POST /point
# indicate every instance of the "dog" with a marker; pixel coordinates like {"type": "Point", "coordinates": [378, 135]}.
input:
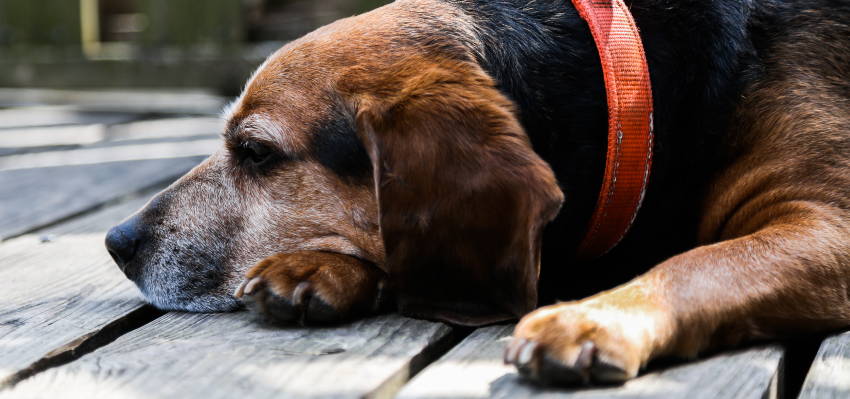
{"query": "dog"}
{"type": "Point", "coordinates": [443, 158]}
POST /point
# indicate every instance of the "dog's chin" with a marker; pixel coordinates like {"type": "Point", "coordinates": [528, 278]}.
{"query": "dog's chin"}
{"type": "Point", "coordinates": [208, 303]}
{"type": "Point", "coordinates": [169, 290]}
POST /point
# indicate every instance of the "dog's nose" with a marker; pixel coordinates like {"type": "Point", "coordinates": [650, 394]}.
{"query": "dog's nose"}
{"type": "Point", "coordinates": [123, 240]}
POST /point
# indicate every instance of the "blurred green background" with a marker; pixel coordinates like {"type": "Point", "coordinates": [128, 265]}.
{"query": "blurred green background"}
{"type": "Point", "coordinates": [208, 44]}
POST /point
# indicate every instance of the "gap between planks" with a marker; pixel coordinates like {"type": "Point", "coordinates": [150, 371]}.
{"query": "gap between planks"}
{"type": "Point", "coordinates": [85, 344]}
{"type": "Point", "coordinates": [225, 355]}
{"type": "Point", "coordinates": [145, 314]}
{"type": "Point", "coordinates": [474, 369]}
{"type": "Point", "coordinates": [430, 354]}
{"type": "Point", "coordinates": [88, 342]}
{"type": "Point", "coordinates": [141, 192]}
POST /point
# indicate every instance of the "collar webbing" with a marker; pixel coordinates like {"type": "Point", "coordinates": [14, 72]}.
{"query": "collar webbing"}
{"type": "Point", "coordinates": [630, 130]}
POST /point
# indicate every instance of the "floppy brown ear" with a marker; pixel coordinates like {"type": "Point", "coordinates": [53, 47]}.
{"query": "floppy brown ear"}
{"type": "Point", "coordinates": [462, 196]}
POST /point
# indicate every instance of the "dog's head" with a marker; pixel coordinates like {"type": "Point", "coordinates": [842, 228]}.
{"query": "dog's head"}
{"type": "Point", "coordinates": [379, 137]}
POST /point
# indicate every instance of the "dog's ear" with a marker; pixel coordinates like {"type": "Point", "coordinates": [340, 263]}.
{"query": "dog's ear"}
{"type": "Point", "coordinates": [462, 196]}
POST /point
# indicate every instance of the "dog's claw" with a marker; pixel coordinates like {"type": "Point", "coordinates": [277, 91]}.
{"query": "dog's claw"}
{"type": "Point", "coordinates": [302, 307]}
{"type": "Point", "coordinates": [522, 353]}
{"type": "Point", "coordinates": [302, 287]}
{"type": "Point", "coordinates": [252, 285]}
{"type": "Point", "coordinates": [512, 349]}
{"type": "Point", "coordinates": [607, 372]}
{"type": "Point", "coordinates": [301, 295]}
{"type": "Point", "coordinates": [535, 363]}
{"type": "Point", "coordinates": [585, 358]}
{"type": "Point", "coordinates": [526, 353]}
{"type": "Point", "coordinates": [246, 287]}
{"type": "Point", "coordinates": [240, 290]}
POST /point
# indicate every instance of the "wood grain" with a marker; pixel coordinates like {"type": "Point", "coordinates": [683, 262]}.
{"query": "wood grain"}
{"type": "Point", "coordinates": [30, 138]}
{"type": "Point", "coordinates": [58, 289]}
{"type": "Point", "coordinates": [209, 356]}
{"type": "Point", "coordinates": [36, 197]}
{"type": "Point", "coordinates": [474, 369]}
{"type": "Point", "coordinates": [43, 187]}
{"type": "Point", "coordinates": [182, 127]}
{"type": "Point", "coordinates": [829, 376]}
{"type": "Point", "coordinates": [56, 116]}
{"type": "Point", "coordinates": [42, 139]}
{"type": "Point", "coordinates": [113, 152]}
{"type": "Point", "coordinates": [135, 101]}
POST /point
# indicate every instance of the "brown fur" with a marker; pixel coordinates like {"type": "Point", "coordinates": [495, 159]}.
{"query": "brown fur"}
{"type": "Point", "coordinates": [776, 229]}
{"type": "Point", "coordinates": [448, 114]}
{"type": "Point", "coordinates": [453, 214]}
{"type": "Point", "coordinates": [483, 155]}
{"type": "Point", "coordinates": [319, 286]}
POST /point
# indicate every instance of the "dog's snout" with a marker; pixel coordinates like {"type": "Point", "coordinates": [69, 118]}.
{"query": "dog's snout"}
{"type": "Point", "coordinates": [122, 242]}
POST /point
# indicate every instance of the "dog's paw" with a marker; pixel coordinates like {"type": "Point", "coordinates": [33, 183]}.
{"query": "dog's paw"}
{"type": "Point", "coordinates": [581, 343]}
{"type": "Point", "coordinates": [311, 287]}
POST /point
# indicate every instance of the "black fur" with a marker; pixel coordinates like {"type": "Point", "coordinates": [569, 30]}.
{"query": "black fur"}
{"type": "Point", "coordinates": [335, 145]}
{"type": "Point", "coordinates": [701, 54]}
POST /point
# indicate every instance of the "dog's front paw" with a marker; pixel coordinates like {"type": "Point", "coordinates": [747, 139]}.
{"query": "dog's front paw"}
{"type": "Point", "coordinates": [584, 342]}
{"type": "Point", "coordinates": [311, 287]}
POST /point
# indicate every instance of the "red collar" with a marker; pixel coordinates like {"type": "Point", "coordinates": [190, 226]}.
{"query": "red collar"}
{"type": "Point", "coordinates": [629, 123]}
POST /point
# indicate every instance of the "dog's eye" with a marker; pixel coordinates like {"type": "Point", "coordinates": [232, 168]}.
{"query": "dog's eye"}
{"type": "Point", "coordinates": [256, 153]}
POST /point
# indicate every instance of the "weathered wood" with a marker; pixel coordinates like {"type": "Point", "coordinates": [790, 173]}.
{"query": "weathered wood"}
{"type": "Point", "coordinates": [141, 101]}
{"type": "Point", "coordinates": [58, 115]}
{"type": "Point", "coordinates": [37, 197]}
{"type": "Point", "coordinates": [829, 376]}
{"type": "Point", "coordinates": [474, 369]}
{"type": "Point", "coordinates": [186, 127]}
{"type": "Point", "coordinates": [226, 72]}
{"type": "Point", "coordinates": [59, 285]}
{"type": "Point", "coordinates": [52, 138]}
{"type": "Point", "coordinates": [41, 188]}
{"type": "Point", "coordinates": [112, 152]}
{"type": "Point", "coordinates": [23, 140]}
{"type": "Point", "coordinates": [209, 356]}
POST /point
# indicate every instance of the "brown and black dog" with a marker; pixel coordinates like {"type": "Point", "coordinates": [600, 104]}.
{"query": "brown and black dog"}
{"type": "Point", "coordinates": [414, 155]}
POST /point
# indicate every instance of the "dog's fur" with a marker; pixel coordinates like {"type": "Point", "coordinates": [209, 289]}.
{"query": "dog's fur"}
{"type": "Point", "coordinates": [416, 153]}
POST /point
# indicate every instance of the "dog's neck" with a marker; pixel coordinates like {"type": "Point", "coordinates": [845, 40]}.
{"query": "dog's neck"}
{"type": "Point", "coordinates": [543, 57]}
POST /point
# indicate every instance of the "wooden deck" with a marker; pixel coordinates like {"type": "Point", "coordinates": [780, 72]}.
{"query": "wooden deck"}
{"type": "Point", "coordinates": [71, 326]}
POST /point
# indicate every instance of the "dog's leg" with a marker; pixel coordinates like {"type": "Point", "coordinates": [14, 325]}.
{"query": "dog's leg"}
{"type": "Point", "coordinates": [790, 275]}
{"type": "Point", "coordinates": [778, 224]}
{"type": "Point", "coordinates": [312, 287]}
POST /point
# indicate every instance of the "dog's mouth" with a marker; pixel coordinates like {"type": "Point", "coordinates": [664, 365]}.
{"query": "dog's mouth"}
{"type": "Point", "coordinates": [172, 278]}
{"type": "Point", "coordinates": [199, 270]}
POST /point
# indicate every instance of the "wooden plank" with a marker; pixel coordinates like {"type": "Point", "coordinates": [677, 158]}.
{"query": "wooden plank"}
{"type": "Point", "coordinates": [52, 138]}
{"type": "Point", "coordinates": [474, 369]}
{"type": "Point", "coordinates": [39, 196]}
{"type": "Point", "coordinates": [185, 127]}
{"type": "Point", "coordinates": [169, 101]}
{"type": "Point", "coordinates": [43, 187]}
{"type": "Point", "coordinates": [226, 72]}
{"type": "Point", "coordinates": [829, 376]}
{"type": "Point", "coordinates": [59, 285]}
{"type": "Point", "coordinates": [32, 138]}
{"type": "Point", "coordinates": [119, 152]}
{"type": "Point", "coordinates": [210, 356]}
{"type": "Point", "coordinates": [57, 115]}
